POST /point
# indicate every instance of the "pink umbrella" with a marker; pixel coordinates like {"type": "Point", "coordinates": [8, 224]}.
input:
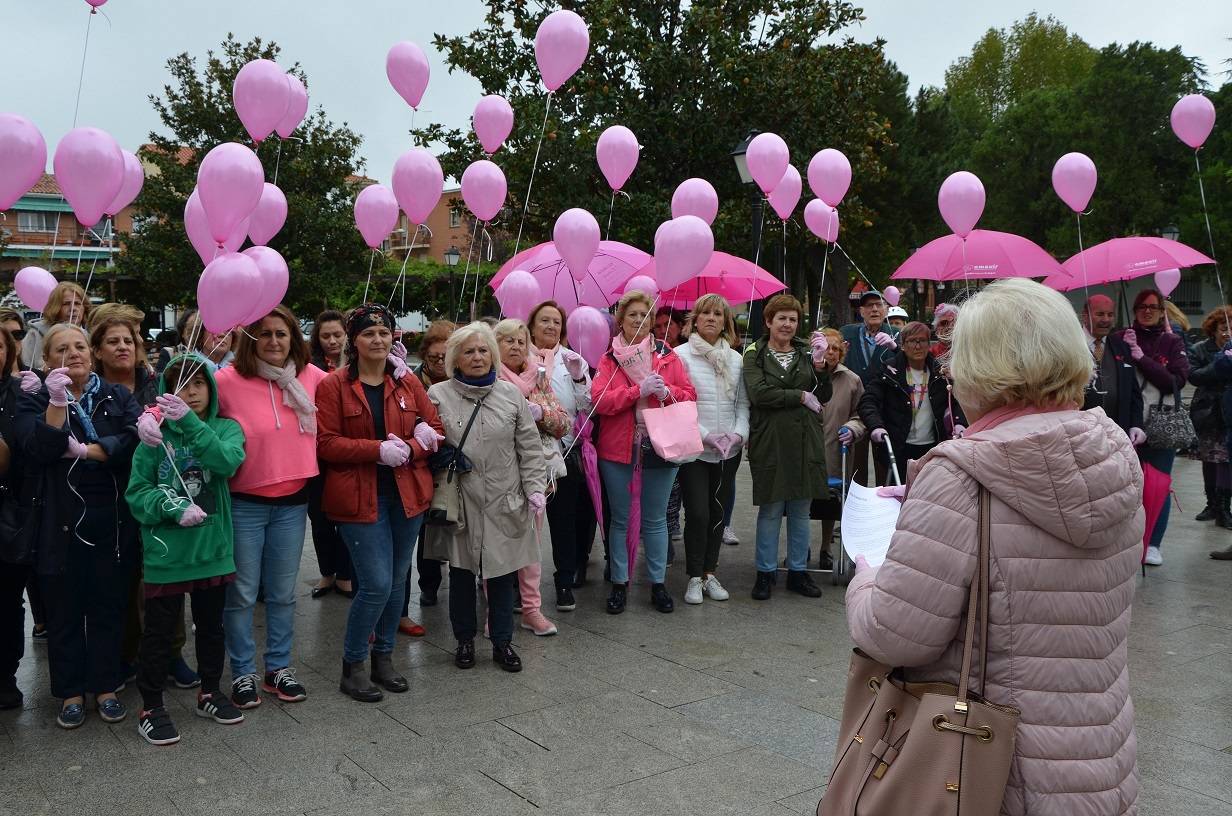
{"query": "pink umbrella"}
{"type": "Point", "coordinates": [736, 279]}
{"type": "Point", "coordinates": [606, 276]}
{"type": "Point", "coordinates": [1122, 259]}
{"type": "Point", "coordinates": [988, 254]}
{"type": "Point", "coordinates": [1156, 492]}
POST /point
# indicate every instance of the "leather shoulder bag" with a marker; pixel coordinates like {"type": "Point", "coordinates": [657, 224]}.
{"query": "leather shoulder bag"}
{"type": "Point", "coordinates": [446, 509]}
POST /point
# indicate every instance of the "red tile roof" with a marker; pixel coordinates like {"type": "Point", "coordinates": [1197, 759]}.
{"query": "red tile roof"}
{"type": "Point", "coordinates": [47, 186]}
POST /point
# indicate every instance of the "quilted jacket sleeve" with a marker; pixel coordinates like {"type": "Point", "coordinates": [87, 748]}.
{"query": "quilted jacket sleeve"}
{"type": "Point", "coordinates": [907, 612]}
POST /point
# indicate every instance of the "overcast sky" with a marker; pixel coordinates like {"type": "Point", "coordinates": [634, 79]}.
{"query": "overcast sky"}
{"type": "Point", "coordinates": [342, 47]}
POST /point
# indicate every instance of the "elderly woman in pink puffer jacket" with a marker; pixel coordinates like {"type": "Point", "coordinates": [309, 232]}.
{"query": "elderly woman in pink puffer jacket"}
{"type": "Point", "coordinates": [1067, 528]}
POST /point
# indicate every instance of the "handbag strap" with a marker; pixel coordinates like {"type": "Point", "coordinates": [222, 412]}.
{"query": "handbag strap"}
{"type": "Point", "coordinates": [977, 604]}
{"type": "Point", "coordinates": [465, 433]}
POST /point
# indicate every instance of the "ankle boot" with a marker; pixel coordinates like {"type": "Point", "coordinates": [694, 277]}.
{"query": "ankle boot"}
{"type": "Point", "coordinates": [355, 683]}
{"type": "Point", "coordinates": [1223, 509]}
{"type": "Point", "coordinates": [1211, 511]}
{"type": "Point", "coordinates": [383, 674]}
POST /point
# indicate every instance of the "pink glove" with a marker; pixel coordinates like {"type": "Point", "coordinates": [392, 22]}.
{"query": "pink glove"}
{"type": "Point", "coordinates": [192, 516]}
{"type": "Point", "coordinates": [427, 438]}
{"type": "Point", "coordinates": [1131, 339]}
{"type": "Point", "coordinates": [1136, 437]}
{"type": "Point", "coordinates": [537, 502]}
{"type": "Point", "coordinates": [810, 401]}
{"type": "Point", "coordinates": [896, 492]}
{"type": "Point", "coordinates": [30, 382]}
{"type": "Point", "coordinates": [959, 430]}
{"type": "Point", "coordinates": [394, 452]}
{"type": "Point", "coordinates": [536, 411]}
{"type": "Point", "coordinates": [879, 435]}
{"type": "Point", "coordinates": [57, 387]}
{"type": "Point", "coordinates": [172, 407]}
{"type": "Point", "coordinates": [574, 364]}
{"type": "Point", "coordinates": [861, 564]}
{"type": "Point", "coordinates": [819, 344]}
{"type": "Point", "coordinates": [147, 428]}
{"type": "Point", "coordinates": [75, 450]}
{"type": "Point", "coordinates": [845, 435]}
{"type": "Point", "coordinates": [731, 441]}
{"type": "Point", "coordinates": [398, 350]}
{"type": "Point", "coordinates": [400, 368]}
{"type": "Point", "coordinates": [885, 341]}
{"type": "Point", "coordinates": [714, 440]}
{"type": "Point", "coordinates": [654, 385]}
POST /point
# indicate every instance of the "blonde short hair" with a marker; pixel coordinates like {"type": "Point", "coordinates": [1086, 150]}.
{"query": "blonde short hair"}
{"type": "Point", "coordinates": [510, 326]}
{"type": "Point", "coordinates": [1019, 342]}
{"type": "Point", "coordinates": [627, 300]}
{"type": "Point", "coordinates": [60, 328]}
{"type": "Point", "coordinates": [713, 301]}
{"type": "Point", "coordinates": [464, 335]}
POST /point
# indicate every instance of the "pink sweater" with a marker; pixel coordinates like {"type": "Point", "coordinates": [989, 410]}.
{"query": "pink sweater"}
{"type": "Point", "coordinates": [279, 458]}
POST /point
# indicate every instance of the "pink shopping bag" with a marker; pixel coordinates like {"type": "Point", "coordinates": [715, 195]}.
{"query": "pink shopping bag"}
{"type": "Point", "coordinates": [673, 430]}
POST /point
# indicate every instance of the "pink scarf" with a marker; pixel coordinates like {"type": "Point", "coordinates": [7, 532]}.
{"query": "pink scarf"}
{"type": "Point", "coordinates": [637, 360]}
{"type": "Point", "coordinates": [528, 380]}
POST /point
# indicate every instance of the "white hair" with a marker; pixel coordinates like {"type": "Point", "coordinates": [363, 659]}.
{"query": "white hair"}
{"type": "Point", "coordinates": [1018, 342]}
{"type": "Point", "coordinates": [464, 335]}
{"type": "Point", "coordinates": [509, 327]}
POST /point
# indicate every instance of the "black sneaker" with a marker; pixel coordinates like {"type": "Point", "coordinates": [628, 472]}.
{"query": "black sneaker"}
{"type": "Point", "coordinates": [464, 656]}
{"type": "Point", "coordinates": [244, 691]}
{"type": "Point", "coordinates": [761, 587]}
{"type": "Point", "coordinates": [616, 600]}
{"type": "Point", "coordinates": [427, 598]}
{"type": "Point", "coordinates": [802, 583]}
{"type": "Point", "coordinates": [156, 728]}
{"type": "Point", "coordinates": [217, 707]}
{"type": "Point", "coordinates": [579, 577]}
{"type": "Point", "coordinates": [517, 601]}
{"type": "Point", "coordinates": [39, 634]}
{"type": "Point", "coordinates": [661, 599]}
{"type": "Point", "coordinates": [284, 684]}
{"type": "Point", "coordinates": [564, 599]}
{"type": "Point", "coordinates": [504, 656]}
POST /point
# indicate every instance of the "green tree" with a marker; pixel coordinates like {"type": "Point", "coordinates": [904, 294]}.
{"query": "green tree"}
{"type": "Point", "coordinates": [315, 170]}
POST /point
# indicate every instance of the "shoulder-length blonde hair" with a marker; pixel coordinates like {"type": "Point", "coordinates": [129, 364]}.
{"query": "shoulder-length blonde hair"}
{"type": "Point", "coordinates": [464, 335]}
{"type": "Point", "coordinates": [246, 349]}
{"type": "Point", "coordinates": [51, 312]}
{"type": "Point", "coordinates": [719, 302]}
{"type": "Point", "coordinates": [1018, 343]}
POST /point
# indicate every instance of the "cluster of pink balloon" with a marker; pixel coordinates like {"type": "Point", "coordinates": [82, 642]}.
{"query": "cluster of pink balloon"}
{"type": "Point", "coordinates": [268, 100]}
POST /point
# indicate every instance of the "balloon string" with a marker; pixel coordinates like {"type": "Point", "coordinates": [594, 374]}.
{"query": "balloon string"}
{"type": "Point", "coordinates": [55, 237]}
{"type": "Point", "coordinates": [966, 277]}
{"type": "Point", "coordinates": [402, 272]}
{"type": "Point", "coordinates": [826, 249]}
{"type": "Point", "coordinates": [611, 210]}
{"type": "Point", "coordinates": [371, 260]}
{"type": "Point", "coordinates": [80, 249]}
{"type": "Point", "coordinates": [1082, 257]}
{"type": "Point", "coordinates": [457, 310]}
{"type": "Point", "coordinates": [187, 372]}
{"type": "Point", "coordinates": [761, 227]}
{"type": "Point", "coordinates": [534, 165]}
{"type": "Point", "coordinates": [858, 270]}
{"type": "Point", "coordinates": [478, 263]}
{"type": "Point", "coordinates": [81, 77]}
{"type": "Point", "coordinates": [277, 162]}
{"type": "Point", "coordinates": [1210, 237]}
{"type": "Point", "coordinates": [94, 263]}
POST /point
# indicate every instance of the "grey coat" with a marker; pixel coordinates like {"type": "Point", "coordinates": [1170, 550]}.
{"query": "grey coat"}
{"type": "Point", "coordinates": [507, 457]}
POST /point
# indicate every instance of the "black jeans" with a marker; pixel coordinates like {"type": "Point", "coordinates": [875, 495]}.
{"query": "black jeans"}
{"type": "Point", "coordinates": [161, 615]}
{"type": "Point", "coordinates": [13, 579]}
{"type": "Point", "coordinates": [705, 489]}
{"type": "Point", "coordinates": [571, 519]}
{"type": "Point", "coordinates": [34, 592]}
{"type": "Point", "coordinates": [462, 614]}
{"type": "Point", "coordinates": [332, 555]}
{"type": "Point", "coordinates": [429, 574]}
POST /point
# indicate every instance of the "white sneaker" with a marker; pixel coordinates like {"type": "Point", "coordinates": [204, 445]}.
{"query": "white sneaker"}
{"type": "Point", "coordinates": [714, 589]}
{"type": "Point", "coordinates": [1153, 557]}
{"type": "Point", "coordinates": [729, 536]}
{"type": "Point", "coordinates": [693, 594]}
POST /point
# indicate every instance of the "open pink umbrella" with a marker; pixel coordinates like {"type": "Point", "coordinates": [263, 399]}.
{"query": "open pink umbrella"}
{"type": "Point", "coordinates": [606, 276]}
{"type": "Point", "coordinates": [988, 254]}
{"type": "Point", "coordinates": [1122, 259]}
{"type": "Point", "coordinates": [736, 279]}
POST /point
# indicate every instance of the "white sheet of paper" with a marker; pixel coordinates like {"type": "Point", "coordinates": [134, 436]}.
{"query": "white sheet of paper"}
{"type": "Point", "coordinates": [868, 523]}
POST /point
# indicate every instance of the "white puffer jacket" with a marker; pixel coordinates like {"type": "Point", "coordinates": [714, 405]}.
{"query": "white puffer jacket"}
{"type": "Point", "coordinates": [716, 412]}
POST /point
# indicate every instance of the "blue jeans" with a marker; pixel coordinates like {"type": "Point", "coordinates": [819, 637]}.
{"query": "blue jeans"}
{"type": "Point", "coordinates": [656, 487]}
{"type": "Point", "coordinates": [381, 555]}
{"type": "Point", "coordinates": [770, 521]}
{"type": "Point", "coordinates": [1161, 460]}
{"type": "Point", "coordinates": [269, 540]}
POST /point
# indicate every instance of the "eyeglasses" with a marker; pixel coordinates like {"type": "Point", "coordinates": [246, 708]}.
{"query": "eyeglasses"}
{"type": "Point", "coordinates": [434, 358]}
{"type": "Point", "coordinates": [916, 342]}
{"type": "Point", "coordinates": [1149, 309]}
{"type": "Point", "coordinates": [19, 334]}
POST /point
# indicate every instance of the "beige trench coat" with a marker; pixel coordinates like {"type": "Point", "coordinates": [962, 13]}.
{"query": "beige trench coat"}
{"type": "Point", "coordinates": [507, 457]}
{"type": "Point", "coordinates": [840, 411]}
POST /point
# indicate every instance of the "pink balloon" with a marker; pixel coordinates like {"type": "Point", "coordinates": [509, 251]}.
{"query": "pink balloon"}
{"type": "Point", "coordinates": [561, 44]}
{"type": "Point", "coordinates": [198, 230]}
{"type": "Point", "coordinates": [260, 95]}
{"type": "Point", "coordinates": [643, 283]}
{"type": "Point", "coordinates": [269, 215]}
{"type": "Point", "coordinates": [1074, 177]}
{"type": "Point", "coordinates": [34, 285]}
{"type": "Point", "coordinates": [493, 122]}
{"type": "Point", "coordinates": [518, 294]}
{"type": "Point", "coordinates": [230, 182]}
{"type": "Point", "coordinates": [1193, 117]}
{"type": "Point", "coordinates": [134, 178]}
{"type": "Point", "coordinates": [224, 292]}
{"type": "Point", "coordinates": [23, 158]}
{"type": "Point", "coordinates": [961, 201]}
{"type": "Point", "coordinates": [576, 234]}
{"type": "Point", "coordinates": [589, 333]}
{"type": "Point", "coordinates": [822, 220]}
{"type": "Point", "coordinates": [96, 3]}
{"type": "Point", "coordinates": [660, 232]}
{"type": "Point", "coordinates": [376, 214]}
{"type": "Point", "coordinates": [1167, 279]}
{"type": "Point", "coordinates": [418, 182]}
{"type": "Point", "coordinates": [829, 176]}
{"type": "Point", "coordinates": [767, 157]}
{"type": "Point", "coordinates": [408, 71]}
{"type": "Point", "coordinates": [484, 189]}
{"type": "Point", "coordinates": [891, 295]}
{"type": "Point", "coordinates": [683, 251]}
{"type": "Point", "coordinates": [297, 107]}
{"type": "Point", "coordinates": [274, 279]}
{"type": "Point", "coordinates": [617, 153]}
{"type": "Point", "coordinates": [89, 168]}
{"type": "Point", "coordinates": [697, 197]}
{"type": "Point", "coordinates": [786, 195]}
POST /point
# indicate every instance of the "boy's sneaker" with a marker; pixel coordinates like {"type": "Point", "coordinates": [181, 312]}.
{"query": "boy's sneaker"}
{"type": "Point", "coordinates": [216, 706]}
{"type": "Point", "coordinates": [729, 537]}
{"type": "Point", "coordinates": [244, 691]}
{"type": "Point", "coordinates": [183, 675]}
{"type": "Point", "coordinates": [156, 728]}
{"type": "Point", "coordinates": [284, 684]}
{"type": "Point", "coordinates": [714, 590]}
{"type": "Point", "coordinates": [693, 593]}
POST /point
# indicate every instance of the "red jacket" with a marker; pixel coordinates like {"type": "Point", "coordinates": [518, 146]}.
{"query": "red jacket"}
{"type": "Point", "coordinates": [615, 397]}
{"type": "Point", "coordinates": [350, 451]}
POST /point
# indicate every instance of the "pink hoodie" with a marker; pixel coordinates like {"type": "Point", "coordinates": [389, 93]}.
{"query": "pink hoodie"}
{"type": "Point", "coordinates": [1067, 528]}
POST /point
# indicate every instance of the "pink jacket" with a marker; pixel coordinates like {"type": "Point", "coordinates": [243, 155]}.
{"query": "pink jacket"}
{"type": "Point", "coordinates": [277, 453]}
{"type": "Point", "coordinates": [1067, 527]}
{"type": "Point", "coordinates": [615, 398]}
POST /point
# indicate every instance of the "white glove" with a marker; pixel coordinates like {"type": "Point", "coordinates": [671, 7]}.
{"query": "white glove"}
{"type": "Point", "coordinates": [147, 429]}
{"type": "Point", "coordinates": [1136, 437]}
{"type": "Point", "coordinates": [879, 435]}
{"type": "Point", "coordinates": [885, 341]}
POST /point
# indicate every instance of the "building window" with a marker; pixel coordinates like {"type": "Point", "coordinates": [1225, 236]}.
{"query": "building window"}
{"type": "Point", "coordinates": [36, 221]}
{"type": "Point", "coordinates": [1188, 295]}
{"type": "Point", "coordinates": [455, 217]}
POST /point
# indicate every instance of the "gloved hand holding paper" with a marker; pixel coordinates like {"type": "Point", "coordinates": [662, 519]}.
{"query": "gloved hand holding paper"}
{"type": "Point", "coordinates": [869, 521]}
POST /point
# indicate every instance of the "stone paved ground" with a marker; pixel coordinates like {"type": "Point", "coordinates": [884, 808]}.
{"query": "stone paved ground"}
{"type": "Point", "coordinates": [726, 708]}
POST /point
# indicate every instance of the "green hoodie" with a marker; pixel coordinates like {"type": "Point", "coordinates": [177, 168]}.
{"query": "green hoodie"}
{"type": "Point", "coordinates": [207, 453]}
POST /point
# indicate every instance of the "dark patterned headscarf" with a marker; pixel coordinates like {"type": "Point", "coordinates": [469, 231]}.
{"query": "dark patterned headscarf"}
{"type": "Point", "coordinates": [366, 316]}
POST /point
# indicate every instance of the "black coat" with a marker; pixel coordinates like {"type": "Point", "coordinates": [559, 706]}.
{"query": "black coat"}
{"type": "Point", "coordinates": [887, 404]}
{"type": "Point", "coordinates": [867, 368]}
{"type": "Point", "coordinates": [1206, 408]}
{"type": "Point", "coordinates": [63, 498]}
{"type": "Point", "coordinates": [1127, 412]}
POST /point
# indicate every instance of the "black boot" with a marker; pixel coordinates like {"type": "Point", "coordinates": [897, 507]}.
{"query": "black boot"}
{"type": "Point", "coordinates": [660, 598]}
{"type": "Point", "coordinates": [802, 583]}
{"type": "Point", "coordinates": [464, 655]}
{"type": "Point", "coordinates": [504, 656]}
{"type": "Point", "coordinates": [1211, 511]}
{"type": "Point", "coordinates": [355, 684]}
{"type": "Point", "coordinates": [761, 587]}
{"type": "Point", "coordinates": [383, 674]}
{"type": "Point", "coordinates": [616, 600]}
{"type": "Point", "coordinates": [1223, 510]}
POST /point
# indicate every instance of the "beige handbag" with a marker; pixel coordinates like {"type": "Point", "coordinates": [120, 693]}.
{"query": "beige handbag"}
{"type": "Point", "coordinates": [924, 748]}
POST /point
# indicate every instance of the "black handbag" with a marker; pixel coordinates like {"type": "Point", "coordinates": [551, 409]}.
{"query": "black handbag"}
{"type": "Point", "coordinates": [1169, 427]}
{"type": "Point", "coordinates": [19, 529]}
{"type": "Point", "coordinates": [447, 469]}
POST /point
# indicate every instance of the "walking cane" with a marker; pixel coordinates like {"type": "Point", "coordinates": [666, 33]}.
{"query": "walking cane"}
{"type": "Point", "coordinates": [839, 574]}
{"type": "Point", "coordinates": [893, 462]}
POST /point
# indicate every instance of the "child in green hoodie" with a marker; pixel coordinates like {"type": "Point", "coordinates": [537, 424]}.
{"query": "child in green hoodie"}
{"type": "Point", "coordinates": [178, 493]}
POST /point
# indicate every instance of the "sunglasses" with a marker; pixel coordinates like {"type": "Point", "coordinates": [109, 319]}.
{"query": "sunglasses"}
{"type": "Point", "coordinates": [18, 334]}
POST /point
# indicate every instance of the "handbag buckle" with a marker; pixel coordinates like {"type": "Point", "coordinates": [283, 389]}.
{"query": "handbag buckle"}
{"type": "Point", "coordinates": [960, 706]}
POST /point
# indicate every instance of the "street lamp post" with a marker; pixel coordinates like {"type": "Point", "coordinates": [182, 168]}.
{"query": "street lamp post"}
{"type": "Point", "coordinates": [452, 256]}
{"type": "Point", "coordinates": [742, 167]}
